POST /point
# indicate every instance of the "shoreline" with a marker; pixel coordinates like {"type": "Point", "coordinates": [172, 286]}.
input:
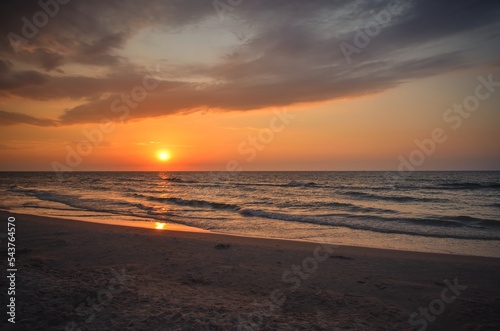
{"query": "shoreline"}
{"type": "Point", "coordinates": [172, 227]}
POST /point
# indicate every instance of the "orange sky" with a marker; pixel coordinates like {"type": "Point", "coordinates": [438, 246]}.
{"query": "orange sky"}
{"type": "Point", "coordinates": [213, 94]}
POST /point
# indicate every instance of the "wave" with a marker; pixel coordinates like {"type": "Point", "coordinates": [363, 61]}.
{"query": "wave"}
{"type": "Point", "coordinates": [256, 184]}
{"type": "Point", "coordinates": [469, 186]}
{"type": "Point", "coordinates": [370, 196]}
{"type": "Point", "coordinates": [30, 205]}
{"type": "Point", "coordinates": [337, 206]}
{"type": "Point", "coordinates": [359, 209]}
{"type": "Point", "coordinates": [451, 186]}
{"type": "Point", "coordinates": [233, 207]}
{"type": "Point", "coordinates": [99, 188]}
{"type": "Point", "coordinates": [173, 179]}
{"type": "Point", "coordinates": [471, 221]}
{"type": "Point", "coordinates": [194, 203]}
{"type": "Point", "coordinates": [109, 206]}
{"type": "Point", "coordinates": [295, 183]}
{"type": "Point", "coordinates": [435, 228]}
{"type": "Point", "coordinates": [177, 180]}
{"type": "Point", "coordinates": [128, 179]}
{"type": "Point", "coordinates": [292, 183]}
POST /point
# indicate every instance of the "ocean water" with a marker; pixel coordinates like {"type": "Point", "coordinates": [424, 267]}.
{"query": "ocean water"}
{"type": "Point", "coordinates": [448, 212]}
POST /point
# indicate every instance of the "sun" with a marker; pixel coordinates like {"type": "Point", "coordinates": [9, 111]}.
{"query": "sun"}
{"type": "Point", "coordinates": [163, 155]}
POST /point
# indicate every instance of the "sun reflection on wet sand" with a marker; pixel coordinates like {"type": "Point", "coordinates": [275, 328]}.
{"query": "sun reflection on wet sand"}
{"type": "Point", "coordinates": [160, 226]}
{"type": "Point", "coordinates": [134, 222]}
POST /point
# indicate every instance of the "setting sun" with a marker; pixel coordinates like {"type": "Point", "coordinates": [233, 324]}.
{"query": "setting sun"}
{"type": "Point", "coordinates": [163, 155]}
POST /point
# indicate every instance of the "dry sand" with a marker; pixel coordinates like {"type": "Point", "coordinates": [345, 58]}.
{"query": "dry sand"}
{"type": "Point", "coordinates": [75, 274]}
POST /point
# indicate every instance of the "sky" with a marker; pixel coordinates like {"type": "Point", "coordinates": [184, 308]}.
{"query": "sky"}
{"type": "Point", "coordinates": [249, 85]}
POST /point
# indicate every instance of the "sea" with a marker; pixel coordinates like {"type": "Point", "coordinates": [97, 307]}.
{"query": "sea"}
{"type": "Point", "coordinates": [440, 212]}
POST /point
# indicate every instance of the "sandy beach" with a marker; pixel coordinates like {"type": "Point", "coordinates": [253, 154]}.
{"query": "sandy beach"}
{"type": "Point", "coordinates": [74, 275]}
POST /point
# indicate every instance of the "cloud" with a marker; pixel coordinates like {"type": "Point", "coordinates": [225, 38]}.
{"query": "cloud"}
{"type": "Point", "coordinates": [103, 45]}
{"type": "Point", "coordinates": [10, 79]}
{"type": "Point", "coordinates": [92, 29]}
{"type": "Point", "coordinates": [8, 118]}
{"type": "Point", "coordinates": [77, 87]}
{"type": "Point", "coordinates": [291, 53]}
